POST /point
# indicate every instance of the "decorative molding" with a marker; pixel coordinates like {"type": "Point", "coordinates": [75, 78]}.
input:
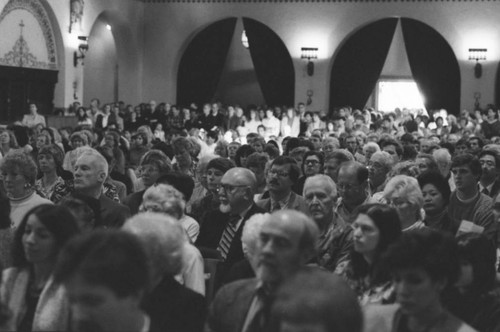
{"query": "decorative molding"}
{"type": "Point", "coordinates": [20, 56]}
{"type": "Point", "coordinates": [38, 11]}
{"type": "Point", "coordinates": [301, 1]}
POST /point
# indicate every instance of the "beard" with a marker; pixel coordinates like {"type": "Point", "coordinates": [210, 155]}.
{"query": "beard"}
{"type": "Point", "coordinates": [224, 208]}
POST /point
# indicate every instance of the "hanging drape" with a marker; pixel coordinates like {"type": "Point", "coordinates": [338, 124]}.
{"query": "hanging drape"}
{"type": "Point", "coordinates": [272, 62]}
{"type": "Point", "coordinates": [202, 63]}
{"type": "Point", "coordinates": [433, 65]}
{"type": "Point", "coordinates": [497, 87]}
{"type": "Point", "coordinates": [358, 64]}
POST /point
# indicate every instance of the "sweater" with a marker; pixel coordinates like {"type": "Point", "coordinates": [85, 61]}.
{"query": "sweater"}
{"type": "Point", "coordinates": [19, 208]}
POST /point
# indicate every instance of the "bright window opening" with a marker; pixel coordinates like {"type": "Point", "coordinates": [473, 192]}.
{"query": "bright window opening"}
{"type": "Point", "coordinates": [392, 94]}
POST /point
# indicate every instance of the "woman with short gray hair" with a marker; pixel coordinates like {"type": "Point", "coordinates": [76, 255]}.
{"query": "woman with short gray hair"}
{"type": "Point", "coordinates": [404, 194]}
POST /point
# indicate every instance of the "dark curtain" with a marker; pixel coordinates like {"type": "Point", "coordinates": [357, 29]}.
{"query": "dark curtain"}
{"type": "Point", "coordinates": [358, 64]}
{"type": "Point", "coordinates": [497, 88]}
{"type": "Point", "coordinates": [202, 63]}
{"type": "Point", "coordinates": [433, 65]}
{"type": "Point", "coordinates": [272, 62]}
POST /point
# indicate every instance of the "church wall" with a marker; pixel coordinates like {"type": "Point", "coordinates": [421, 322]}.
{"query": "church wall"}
{"type": "Point", "coordinates": [170, 26]}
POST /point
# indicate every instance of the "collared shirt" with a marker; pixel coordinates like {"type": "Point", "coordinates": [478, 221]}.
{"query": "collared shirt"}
{"type": "Point", "coordinates": [242, 216]}
{"type": "Point", "coordinates": [258, 302]}
{"type": "Point", "coordinates": [489, 188]}
{"type": "Point", "coordinates": [342, 211]}
{"type": "Point", "coordinates": [147, 324]}
{"type": "Point", "coordinates": [281, 204]}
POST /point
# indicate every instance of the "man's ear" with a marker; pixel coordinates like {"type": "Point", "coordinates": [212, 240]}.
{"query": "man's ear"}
{"type": "Point", "coordinates": [102, 176]}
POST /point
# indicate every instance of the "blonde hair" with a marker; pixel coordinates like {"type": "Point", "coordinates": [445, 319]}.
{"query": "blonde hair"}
{"type": "Point", "coordinates": [171, 199]}
{"type": "Point", "coordinates": [406, 187]}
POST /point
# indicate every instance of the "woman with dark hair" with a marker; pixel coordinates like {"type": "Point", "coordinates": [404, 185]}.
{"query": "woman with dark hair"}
{"type": "Point", "coordinates": [35, 302]}
{"type": "Point", "coordinates": [436, 193]}
{"type": "Point", "coordinates": [292, 143]}
{"type": "Point", "coordinates": [82, 118]}
{"type": "Point", "coordinates": [376, 226]}
{"type": "Point", "coordinates": [476, 303]}
{"type": "Point", "coordinates": [51, 184]}
{"type": "Point", "coordinates": [312, 164]}
{"type": "Point", "coordinates": [241, 155]}
{"type": "Point", "coordinates": [138, 148]}
{"type": "Point", "coordinates": [491, 127]}
{"type": "Point", "coordinates": [424, 264]}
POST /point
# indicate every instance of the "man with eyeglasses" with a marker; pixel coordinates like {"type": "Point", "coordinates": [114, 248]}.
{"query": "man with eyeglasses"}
{"type": "Point", "coordinates": [221, 230]}
{"type": "Point", "coordinates": [352, 185]}
{"type": "Point", "coordinates": [489, 183]}
{"type": "Point", "coordinates": [282, 175]}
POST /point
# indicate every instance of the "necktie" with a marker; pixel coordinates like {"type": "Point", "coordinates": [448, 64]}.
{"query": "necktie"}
{"type": "Point", "coordinates": [261, 319]}
{"type": "Point", "coordinates": [276, 207]}
{"type": "Point", "coordinates": [486, 192]}
{"type": "Point", "coordinates": [228, 236]}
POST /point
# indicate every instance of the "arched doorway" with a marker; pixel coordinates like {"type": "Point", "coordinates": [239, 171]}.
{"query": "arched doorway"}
{"type": "Point", "coordinates": [29, 58]}
{"type": "Point", "coordinates": [359, 61]}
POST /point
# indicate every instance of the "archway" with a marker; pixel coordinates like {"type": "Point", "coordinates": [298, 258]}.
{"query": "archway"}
{"type": "Point", "coordinates": [203, 61]}
{"type": "Point", "coordinates": [29, 58]}
{"type": "Point", "coordinates": [100, 69]}
{"type": "Point", "coordinates": [359, 61]}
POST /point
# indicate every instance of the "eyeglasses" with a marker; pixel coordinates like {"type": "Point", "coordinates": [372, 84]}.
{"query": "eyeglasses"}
{"type": "Point", "coordinates": [279, 173]}
{"type": "Point", "coordinates": [311, 161]}
{"type": "Point", "coordinates": [229, 188]}
{"type": "Point", "coordinates": [397, 202]}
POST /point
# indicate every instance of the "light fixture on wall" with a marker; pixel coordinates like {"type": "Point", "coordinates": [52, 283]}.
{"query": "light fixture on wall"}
{"type": "Point", "coordinates": [79, 55]}
{"type": "Point", "coordinates": [309, 53]}
{"type": "Point", "coordinates": [478, 54]}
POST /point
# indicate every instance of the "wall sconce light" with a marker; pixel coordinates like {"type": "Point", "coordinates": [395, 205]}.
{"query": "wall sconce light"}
{"type": "Point", "coordinates": [82, 50]}
{"type": "Point", "coordinates": [309, 53]}
{"type": "Point", "coordinates": [478, 54]}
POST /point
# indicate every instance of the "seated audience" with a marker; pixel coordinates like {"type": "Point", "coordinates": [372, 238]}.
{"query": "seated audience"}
{"type": "Point", "coordinates": [312, 164]}
{"type": "Point", "coordinates": [436, 194]}
{"type": "Point", "coordinates": [489, 183]}
{"type": "Point", "coordinates": [352, 182]}
{"type": "Point", "coordinates": [283, 173]}
{"type": "Point", "coordinates": [404, 194]}
{"type": "Point", "coordinates": [153, 165]}
{"type": "Point", "coordinates": [221, 230]}
{"type": "Point", "coordinates": [35, 301]}
{"type": "Point", "coordinates": [171, 306]}
{"type": "Point", "coordinates": [19, 173]}
{"type": "Point", "coordinates": [91, 171]}
{"type": "Point", "coordinates": [478, 302]}
{"type": "Point", "coordinates": [333, 161]}
{"type": "Point", "coordinates": [313, 300]}
{"type": "Point", "coordinates": [110, 267]}
{"type": "Point", "coordinates": [335, 235]}
{"type": "Point", "coordinates": [378, 166]}
{"type": "Point", "coordinates": [244, 305]}
{"type": "Point", "coordinates": [466, 202]}
{"type": "Point", "coordinates": [375, 226]}
{"type": "Point", "coordinates": [51, 184]}
{"type": "Point", "coordinates": [420, 276]}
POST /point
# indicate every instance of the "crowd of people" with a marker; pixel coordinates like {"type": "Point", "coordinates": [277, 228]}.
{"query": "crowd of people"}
{"type": "Point", "coordinates": [214, 218]}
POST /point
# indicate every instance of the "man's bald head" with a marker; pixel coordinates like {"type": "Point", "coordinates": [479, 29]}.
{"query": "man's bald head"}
{"type": "Point", "coordinates": [241, 176]}
{"type": "Point", "coordinates": [287, 242]}
{"type": "Point", "coordinates": [237, 189]}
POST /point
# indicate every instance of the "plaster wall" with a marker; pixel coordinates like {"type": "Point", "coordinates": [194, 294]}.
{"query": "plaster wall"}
{"type": "Point", "coordinates": [168, 28]}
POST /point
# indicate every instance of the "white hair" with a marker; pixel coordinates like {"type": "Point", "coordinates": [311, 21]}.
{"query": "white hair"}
{"type": "Point", "coordinates": [325, 180]}
{"type": "Point", "coordinates": [171, 199]}
{"type": "Point", "coordinates": [251, 232]}
{"type": "Point", "coordinates": [163, 238]}
{"type": "Point", "coordinates": [371, 145]}
{"type": "Point", "coordinates": [99, 159]}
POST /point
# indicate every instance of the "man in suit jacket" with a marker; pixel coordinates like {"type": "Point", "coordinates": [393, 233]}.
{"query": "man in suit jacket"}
{"type": "Point", "coordinates": [221, 230]}
{"type": "Point", "coordinates": [91, 171]}
{"type": "Point", "coordinates": [283, 173]}
{"type": "Point", "coordinates": [489, 183]}
{"type": "Point", "coordinates": [287, 241]}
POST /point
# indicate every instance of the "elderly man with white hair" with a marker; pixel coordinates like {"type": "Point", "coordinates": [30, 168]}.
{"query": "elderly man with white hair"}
{"type": "Point", "coordinates": [171, 306]}
{"type": "Point", "coordinates": [378, 166]}
{"type": "Point", "coordinates": [335, 235]}
{"type": "Point", "coordinates": [91, 171]}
